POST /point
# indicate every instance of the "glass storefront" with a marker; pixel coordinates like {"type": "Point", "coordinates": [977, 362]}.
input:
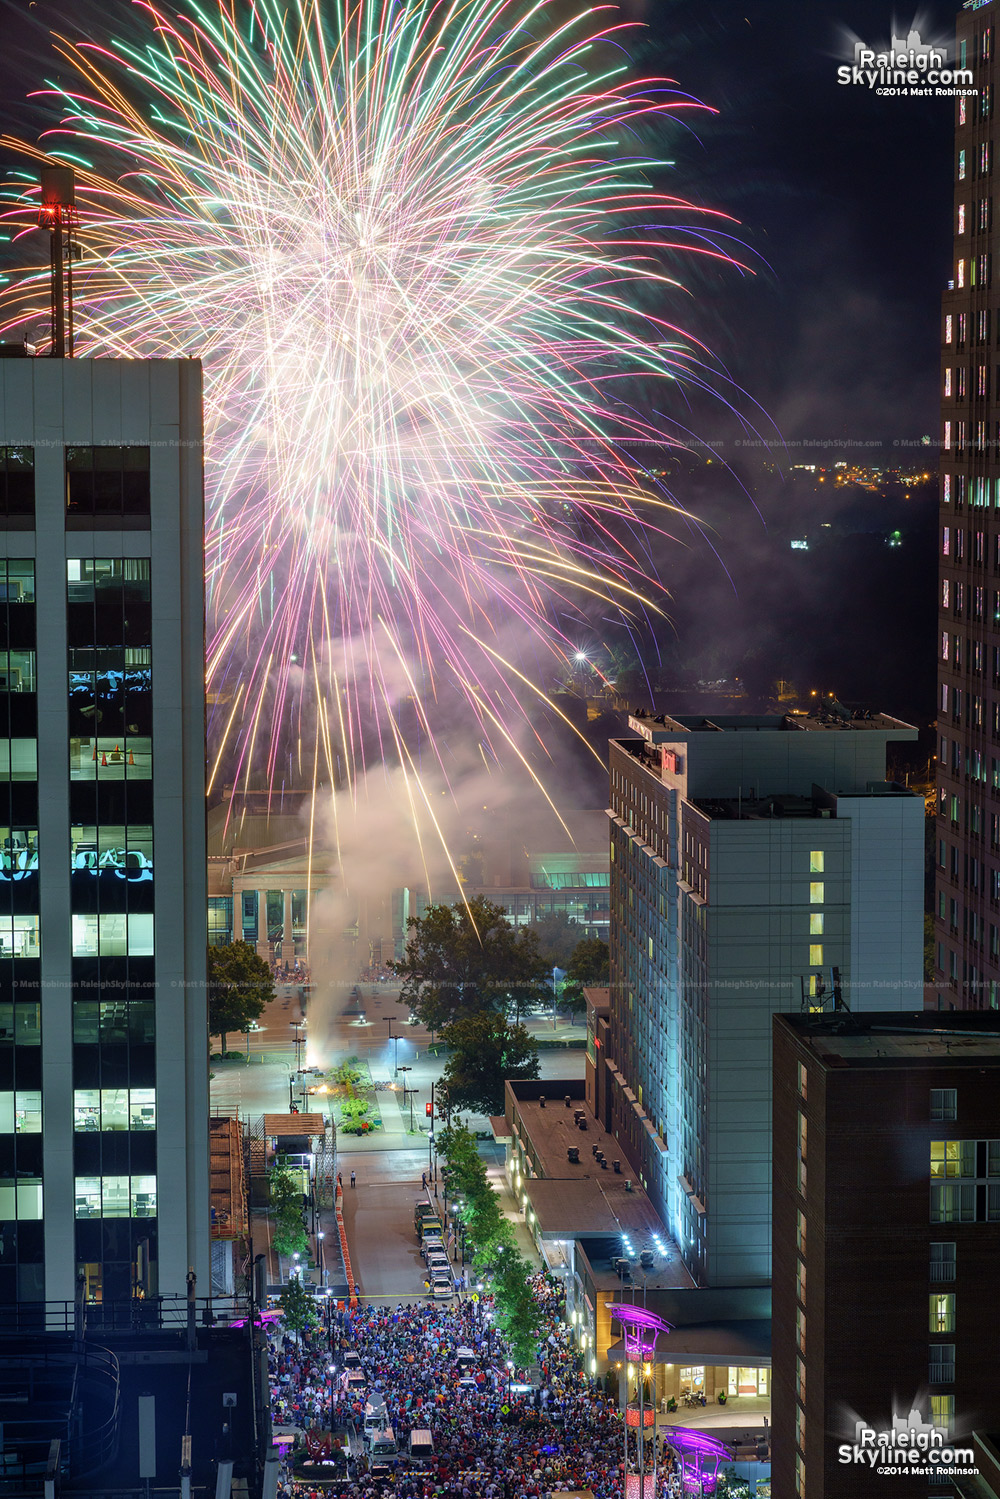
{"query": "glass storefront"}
{"type": "Point", "coordinates": [747, 1381]}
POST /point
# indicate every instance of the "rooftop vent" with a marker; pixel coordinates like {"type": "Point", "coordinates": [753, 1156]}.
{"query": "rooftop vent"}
{"type": "Point", "coordinates": [573, 1154]}
{"type": "Point", "coordinates": [568, 1101]}
{"type": "Point", "coordinates": [646, 1259]}
{"type": "Point", "coordinates": [604, 1163]}
{"type": "Point", "coordinates": [616, 1167]}
{"type": "Point", "coordinates": [541, 1101]}
{"type": "Point", "coordinates": [594, 1149]}
{"type": "Point", "coordinates": [628, 1185]}
{"type": "Point", "coordinates": [581, 1123]}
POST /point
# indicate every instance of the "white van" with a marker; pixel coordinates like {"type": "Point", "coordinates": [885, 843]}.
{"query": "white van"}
{"type": "Point", "coordinates": [376, 1415]}
{"type": "Point", "coordinates": [383, 1444]}
{"type": "Point", "coordinates": [421, 1443]}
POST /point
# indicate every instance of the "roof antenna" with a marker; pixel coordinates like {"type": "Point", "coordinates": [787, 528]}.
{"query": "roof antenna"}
{"type": "Point", "coordinates": [58, 215]}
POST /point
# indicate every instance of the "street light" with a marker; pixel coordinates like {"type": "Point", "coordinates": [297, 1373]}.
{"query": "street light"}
{"type": "Point", "coordinates": [510, 1370]}
{"type": "Point", "coordinates": [320, 1236]}
{"type": "Point", "coordinates": [406, 1090]}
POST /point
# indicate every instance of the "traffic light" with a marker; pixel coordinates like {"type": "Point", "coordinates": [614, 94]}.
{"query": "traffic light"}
{"type": "Point", "coordinates": [428, 1109]}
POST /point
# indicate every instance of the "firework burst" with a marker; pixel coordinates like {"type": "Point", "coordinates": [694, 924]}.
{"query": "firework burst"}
{"type": "Point", "coordinates": [422, 256]}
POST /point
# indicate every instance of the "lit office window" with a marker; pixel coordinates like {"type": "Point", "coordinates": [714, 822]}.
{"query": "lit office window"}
{"type": "Point", "coordinates": [21, 1112]}
{"type": "Point", "coordinates": [817, 892]}
{"type": "Point", "coordinates": [942, 1313]}
{"type": "Point", "coordinates": [953, 1158]}
{"type": "Point", "coordinates": [112, 935]}
{"type": "Point", "coordinates": [943, 1411]}
{"type": "Point", "coordinates": [21, 1201]}
{"type": "Point", "coordinates": [816, 861]}
{"type": "Point", "coordinates": [115, 1197]}
{"type": "Point", "coordinates": [144, 1197]}
{"type": "Point", "coordinates": [816, 924]}
{"type": "Point", "coordinates": [815, 954]}
{"type": "Point", "coordinates": [18, 759]}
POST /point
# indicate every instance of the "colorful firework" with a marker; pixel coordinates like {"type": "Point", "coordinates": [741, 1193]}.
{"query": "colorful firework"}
{"type": "Point", "coordinates": [419, 250]}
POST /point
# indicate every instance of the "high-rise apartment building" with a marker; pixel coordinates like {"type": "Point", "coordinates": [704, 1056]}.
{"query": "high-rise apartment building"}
{"type": "Point", "coordinates": [103, 1058]}
{"type": "Point", "coordinates": [757, 864]}
{"type": "Point", "coordinates": [886, 1243]}
{"type": "Point", "coordinates": [967, 845]}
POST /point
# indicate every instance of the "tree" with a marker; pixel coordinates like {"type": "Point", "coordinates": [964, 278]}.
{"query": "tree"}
{"type": "Point", "coordinates": [558, 935]}
{"type": "Point", "coordinates": [467, 959]}
{"type": "Point", "coordinates": [486, 1049]}
{"type": "Point", "coordinates": [496, 1254]}
{"type": "Point", "coordinates": [589, 967]}
{"type": "Point", "coordinates": [298, 1310]}
{"type": "Point", "coordinates": [239, 988]}
{"type": "Point", "coordinates": [285, 1194]}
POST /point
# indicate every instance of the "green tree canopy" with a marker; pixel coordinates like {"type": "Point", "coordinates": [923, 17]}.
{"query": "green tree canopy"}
{"type": "Point", "coordinates": [558, 936]}
{"type": "Point", "coordinates": [467, 959]}
{"type": "Point", "coordinates": [589, 967]}
{"type": "Point", "coordinates": [486, 1049]}
{"type": "Point", "coordinates": [285, 1197]}
{"type": "Point", "coordinates": [298, 1308]}
{"type": "Point", "coordinates": [497, 1258]}
{"type": "Point", "coordinates": [239, 988]}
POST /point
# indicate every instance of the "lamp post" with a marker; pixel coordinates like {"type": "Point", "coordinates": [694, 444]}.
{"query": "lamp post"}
{"type": "Point", "coordinates": [510, 1371]}
{"type": "Point", "coordinates": [641, 1328]}
{"type": "Point", "coordinates": [406, 1091]}
{"type": "Point", "coordinates": [320, 1236]}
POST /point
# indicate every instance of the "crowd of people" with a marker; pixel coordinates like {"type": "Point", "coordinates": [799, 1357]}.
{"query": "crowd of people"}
{"type": "Point", "coordinates": [495, 1435]}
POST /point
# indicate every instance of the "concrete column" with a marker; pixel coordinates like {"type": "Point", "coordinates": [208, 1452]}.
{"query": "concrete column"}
{"type": "Point", "coordinates": [262, 947]}
{"type": "Point", "coordinates": [287, 941]}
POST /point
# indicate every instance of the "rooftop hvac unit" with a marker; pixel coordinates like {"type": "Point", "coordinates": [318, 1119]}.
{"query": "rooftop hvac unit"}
{"type": "Point", "coordinates": [581, 1123]}
{"type": "Point", "coordinates": [646, 1259]}
{"type": "Point", "coordinates": [622, 1268]}
{"type": "Point", "coordinates": [573, 1154]}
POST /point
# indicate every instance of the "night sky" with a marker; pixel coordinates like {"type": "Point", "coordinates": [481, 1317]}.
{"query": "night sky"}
{"type": "Point", "coordinates": [843, 197]}
{"type": "Point", "coordinates": [844, 201]}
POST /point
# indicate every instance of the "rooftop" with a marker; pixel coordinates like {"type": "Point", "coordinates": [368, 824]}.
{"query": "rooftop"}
{"type": "Point", "coordinates": [832, 716]}
{"type": "Point", "coordinates": [784, 804]}
{"type": "Point", "coordinates": [583, 1200]}
{"type": "Point", "coordinates": [877, 1038]}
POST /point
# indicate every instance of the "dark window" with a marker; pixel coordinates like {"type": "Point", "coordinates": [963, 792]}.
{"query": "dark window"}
{"type": "Point", "coordinates": [17, 482]}
{"type": "Point", "coordinates": [109, 483]}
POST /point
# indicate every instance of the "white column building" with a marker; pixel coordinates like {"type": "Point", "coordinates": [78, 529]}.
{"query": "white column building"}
{"type": "Point", "coordinates": [103, 1056]}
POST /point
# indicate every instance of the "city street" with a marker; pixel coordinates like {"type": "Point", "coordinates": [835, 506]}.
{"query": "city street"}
{"type": "Point", "coordinates": [262, 1084]}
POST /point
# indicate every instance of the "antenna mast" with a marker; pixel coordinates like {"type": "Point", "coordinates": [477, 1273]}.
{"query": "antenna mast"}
{"type": "Point", "coordinates": [58, 215]}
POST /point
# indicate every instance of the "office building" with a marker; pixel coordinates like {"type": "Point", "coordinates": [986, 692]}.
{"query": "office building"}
{"type": "Point", "coordinates": [103, 1068]}
{"type": "Point", "coordinates": [757, 864]}
{"type": "Point", "coordinates": [967, 844]}
{"type": "Point", "coordinates": [886, 1241]}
